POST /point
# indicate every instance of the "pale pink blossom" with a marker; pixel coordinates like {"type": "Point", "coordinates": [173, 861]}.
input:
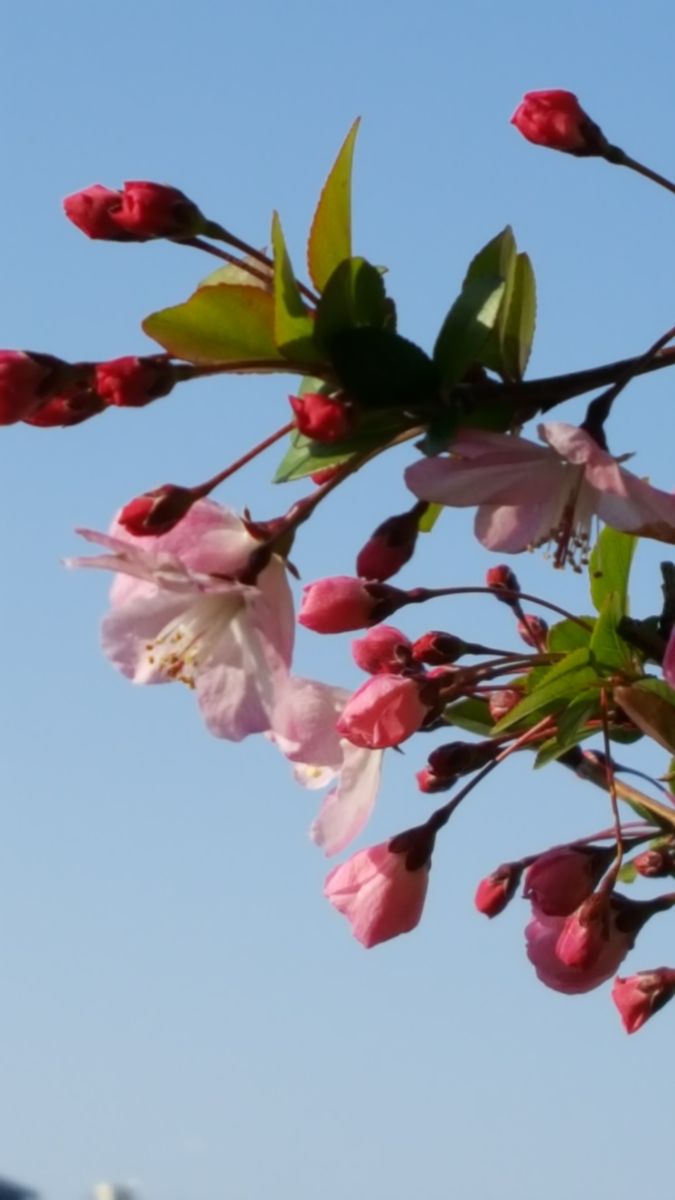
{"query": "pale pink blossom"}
{"type": "Point", "coordinates": [559, 880]}
{"type": "Point", "coordinates": [530, 495]}
{"type": "Point", "coordinates": [386, 710]}
{"type": "Point", "coordinates": [178, 613]}
{"type": "Point", "coordinates": [640, 996]}
{"type": "Point", "coordinates": [304, 727]}
{"type": "Point", "coordinates": [379, 892]}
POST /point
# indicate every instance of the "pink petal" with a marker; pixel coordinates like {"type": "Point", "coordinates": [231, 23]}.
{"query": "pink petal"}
{"type": "Point", "coordinates": [347, 809]}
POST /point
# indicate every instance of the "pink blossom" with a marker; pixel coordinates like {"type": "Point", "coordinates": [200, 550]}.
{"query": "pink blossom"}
{"type": "Point", "coordinates": [341, 603]}
{"type": "Point", "coordinates": [304, 727]}
{"type": "Point", "coordinates": [560, 880]}
{"type": "Point", "coordinates": [669, 661]}
{"type": "Point", "coordinates": [530, 495]}
{"type": "Point", "coordinates": [640, 996]}
{"type": "Point", "coordinates": [378, 892]}
{"type": "Point", "coordinates": [178, 613]}
{"type": "Point", "coordinates": [383, 650]}
{"type": "Point", "coordinates": [385, 710]}
{"type": "Point", "coordinates": [542, 936]}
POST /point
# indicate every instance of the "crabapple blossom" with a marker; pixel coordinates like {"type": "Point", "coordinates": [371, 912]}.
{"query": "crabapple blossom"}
{"type": "Point", "coordinates": [639, 996]}
{"type": "Point", "coordinates": [529, 495]}
{"type": "Point", "coordinates": [383, 650]}
{"type": "Point", "coordinates": [555, 118]}
{"type": "Point", "coordinates": [341, 603]}
{"type": "Point", "coordinates": [386, 710]}
{"type": "Point", "coordinates": [178, 613]}
{"type": "Point", "coordinates": [381, 890]}
{"type": "Point", "coordinates": [559, 880]}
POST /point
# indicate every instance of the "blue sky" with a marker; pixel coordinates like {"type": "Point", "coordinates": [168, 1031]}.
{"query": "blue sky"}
{"type": "Point", "coordinates": [180, 1007]}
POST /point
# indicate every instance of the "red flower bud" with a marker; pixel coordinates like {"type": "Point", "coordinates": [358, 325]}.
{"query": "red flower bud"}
{"type": "Point", "coordinates": [158, 511]}
{"type": "Point", "coordinates": [340, 604]}
{"type": "Point", "coordinates": [655, 863]}
{"type": "Point", "coordinates": [639, 996]}
{"type": "Point", "coordinates": [503, 579]}
{"type": "Point", "coordinates": [556, 119]}
{"type": "Point", "coordinates": [430, 783]}
{"type": "Point", "coordinates": [437, 649]}
{"type": "Point", "coordinates": [494, 892]}
{"type": "Point", "coordinates": [390, 547]}
{"type": "Point", "coordinates": [131, 382]}
{"type": "Point", "coordinates": [322, 418]}
{"type": "Point", "coordinates": [383, 650]}
{"type": "Point", "coordinates": [154, 210]}
{"type": "Point", "coordinates": [324, 474]}
{"type": "Point", "coordinates": [24, 383]}
{"type": "Point", "coordinates": [92, 211]}
{"type": "Point", "coordinates": [70, 408]}
{"type": "Point", "coordinates": [533, 630]}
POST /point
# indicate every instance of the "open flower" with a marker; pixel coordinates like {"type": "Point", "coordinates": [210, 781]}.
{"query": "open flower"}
{"type": "Point", "coordinates": [530, 495]}
{"type": "Point", "coordinates": [304, 727]}
{"type": "Point", "coordinates": [178, 613]}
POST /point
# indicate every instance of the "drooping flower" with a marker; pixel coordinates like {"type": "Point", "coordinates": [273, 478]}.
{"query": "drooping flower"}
{"type": "Point", "coordinates": [641, 995]}
{"type": "Point", "coordinates": [530, 495]}
{"type": "Point", "coordinates": [381, 890]}
{"type": "Point", "coordinates": [555, 118]}
{"type": "Point", "coordinates": [178, 613]}
{"type": "Point", "coordinates": [542, 936]}
{"type": "Point", "coordinates": [383, 650]}
{"type": "Point", "coordinates": [386, 710]}
{"type": "Point", "coordinates": [304, 727]}
{"type": "Point", "coordinates": [559, 880]}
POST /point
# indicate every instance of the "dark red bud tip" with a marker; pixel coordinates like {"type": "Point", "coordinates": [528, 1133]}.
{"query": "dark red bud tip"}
{"type": "Point", "coordinates": [438, 649]}
{"type": "Point", "coordinates": [390, 547]}
{"type": "Point", "coordinates": [156, 512]}
{"type": "Point", "coordinates": [533, 630]}
{"type": "Point", "coordinates": [503, 579]}
{"type": "Point", "coordinates": [132, 382]}
{"type": "Point", "coordinates": [496, 890]}
{"type": "Point", "coordinates": [324, 419]}
{"type": "Point", "coordinates": [71, 408]}
{"type": "Point", "coordinates": [430, 783]}
{"type": "Point", "coordinates": [555, 119]}
{"type": "Point", "coordinates": [416, 844]}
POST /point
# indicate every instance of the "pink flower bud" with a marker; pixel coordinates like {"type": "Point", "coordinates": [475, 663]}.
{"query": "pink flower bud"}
{"type": "Point", "coordinates": [503, 579]}
{"type": "Point", "coordinates": [639, 996]}
{"type": "Point", "coordinates": [324, 475]}
{"type": "Point", "coordinates": [381, 890]}
{"type": "Point", "coordinates": [384, 650]}
{"type": "Point", "coordinates": [322, 418]}
{"type": "Point", "coordinates": [24, 383]}
{"type": "Point", "coordinates": [496, 890]}
{"type": "Point", "coordinates": [555, 119]}
{"type": "Point", "coordinates": [655, 863]}
{"type": "Point", "coordinates": [154, 210]}
{"type": "Point", "coordinates": [532, 630]}
{"type": "Point", "coordinates": [157, 512]}
{"type": "Point", "coordinates": [92, 209]}
{"type": "Point", "coordinates": [70, 408]}
{"type": "Point", "coordinates": [390, 547]}
{"type": "Point", "coordinates": [131, 382]}
{"type": "Point", "coordinates": [585, 933]}
{"type": "Point", "coordinates": [560, 880]}
{"type": "Point", "coordinates": [340, 603]}
{"type": "Point", "coordinates": [386, 710]}
{"type": "Point", "coordinates": [501, 701]}
{"type": "Point", "coordinates": [437, 649]}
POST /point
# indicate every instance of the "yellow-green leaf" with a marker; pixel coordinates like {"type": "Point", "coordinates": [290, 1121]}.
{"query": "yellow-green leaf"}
{"type": "Point", "coordinates": [293, 326]}
{"type": "Point", "coordinates": [222, 324]}
{"type": "Point", "coordinates": [330, 237]}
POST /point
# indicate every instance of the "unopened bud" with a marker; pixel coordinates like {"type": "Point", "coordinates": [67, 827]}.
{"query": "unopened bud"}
{"type": "Point", "coordinates": [325, 474]}
{"type": "Point", "coordinates": [533, 630]}
{"type": "Point", "coordinates": [502, 700]}
{"type": "Point", "coordinates": [383, 650]}
{"type": "Point", "coordinates": [496, 890]}
{"type": "Point", "coordinates": [555, 119]}
{"type": "Point", "coordinates": [131, 382]}
{"type": "Point", "coordinates": [341, 603]}
{"type": "Point", "coordinates": [322, 418]}
{"type": "Point", "coordinates": [503, 579]}
{"type": "Point", "coordinates": [26, 382]}
{"type": "Point", "coordinates": [437, 649]}
{"type": "Point", "coordinates": [391, 546]}
{"type": "Point", "coordinates": [655, 863]}
{"type": "Point", "coordinates": [70, 408]}
{"type": "Point", "coordinates": [641, 995]}
{"type": "Point", "coordinates": [157, 512]}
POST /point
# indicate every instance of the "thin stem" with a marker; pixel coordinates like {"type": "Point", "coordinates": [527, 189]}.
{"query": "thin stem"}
{"type": "Point", "coordinates": [421, 595]}
{"type": "Point", "coordinates": [610, 779]}
{"type": "Point", "coordinates": [640, 169]}
{"type": "Point", "coordinates": [594, 772]}
{"type": "Point", "coordinates": [600, 408]}
{"type": "Point", "coordinates": [203, 489]}
{"type": "Point", "coordinates": [199, 244]}
{"type": "Point", "coordinates": [217, 231]}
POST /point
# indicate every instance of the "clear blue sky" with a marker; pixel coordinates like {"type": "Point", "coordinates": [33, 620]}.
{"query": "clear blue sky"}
{"type": "Point", "coordinates": [180, 1006]}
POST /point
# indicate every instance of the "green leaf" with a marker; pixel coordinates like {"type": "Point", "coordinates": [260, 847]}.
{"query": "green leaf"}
{"type": "Point", "coordinates": [380, 369]}
{"type": "Point", "coordinates": [473, 715]}
{"type": "Point", "coordinates": [628, 872]}
{"type": "Point", "coordinates": [607, 647]}
{"type": "Point", "coordinates": [467, 327]}
{"type": "Point", "coordinates": [330, 237]}
{"type": "Point", "coordinates": [559, 685]}
{"type": "Point", "coordinates": [303, 456]}
{"type": "Point", "coordinates": [495, 259]}
{"type": "Point", "coordinates": [517, 319]}
{"type": "Point", "coordinates": [233, 273]}
{"type": "Point", "coordinates": [609, 567]}
{"type": "Point", "coordinates": [430, 517]}
{"type": "Point", "coordinates": [568, 635]}
{"type": "Point", "coordinates": [221, 324]}
{"type": "Point", "coordinates": [293, 326]}
{"type": "Point", "coordinates": [354, 297]}
{"type": "Point", "coordinates": [650, 704]}
{"type": "Point", "coordinates": [570, 729]}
